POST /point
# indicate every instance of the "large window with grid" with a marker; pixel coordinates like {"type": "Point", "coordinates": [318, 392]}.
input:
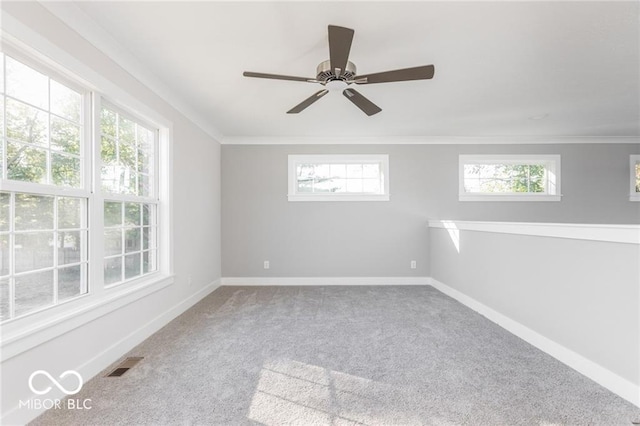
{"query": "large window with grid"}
{"type": "Point", "coordinates": [79, 190]}
{"type": "Point", "coordinates": [44, 197]}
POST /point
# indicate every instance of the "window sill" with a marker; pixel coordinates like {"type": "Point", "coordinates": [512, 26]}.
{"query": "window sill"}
{"type": "Point", "coordinates": [634, 197]}
{"type": "Point", "coordinates": [339, 197]}
{"type": "Point", "coordinates": [508, 197]}
{"type": "Point", "coordinates": [32, 330]}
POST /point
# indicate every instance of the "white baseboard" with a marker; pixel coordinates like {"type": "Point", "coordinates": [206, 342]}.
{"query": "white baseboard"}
{"type": "Point", "coordinates": [595, 372]}
{"type": "Point", "coordinates": [312, 281]}
{"type": "Point", "coordinates": [101, 361]}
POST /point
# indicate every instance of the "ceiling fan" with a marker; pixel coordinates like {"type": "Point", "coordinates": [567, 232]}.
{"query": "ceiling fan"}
{"type": "Point", "coordinates": [338, 73]}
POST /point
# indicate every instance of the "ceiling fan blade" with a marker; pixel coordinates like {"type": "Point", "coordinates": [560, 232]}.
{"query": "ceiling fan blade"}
{"type": "Point", "coordinates": [340, 39]}
{"type": "Point", "coordinates": [361, 102]}
{"type": "Point", "coordinates": [424, 72]}
{"type": "Point", "coordinates": [278, 77]}
{"type": "Point", "coordinates": [304, 104]}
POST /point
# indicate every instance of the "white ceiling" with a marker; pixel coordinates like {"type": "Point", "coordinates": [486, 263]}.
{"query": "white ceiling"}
{"type": "Point", "coordinates": [498, 64]}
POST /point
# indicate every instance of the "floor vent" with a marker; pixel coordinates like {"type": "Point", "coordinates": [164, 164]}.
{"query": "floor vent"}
{"type": "Point", "coordinates": [124, 366]}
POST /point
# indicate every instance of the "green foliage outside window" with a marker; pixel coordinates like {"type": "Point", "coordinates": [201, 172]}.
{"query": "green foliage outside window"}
{"type": "Point", "coordinates": [505, 178]}
{"type": "Point", "coordinates": [127, 150]}
{"type": "Point", "coordinates": [42, 145]}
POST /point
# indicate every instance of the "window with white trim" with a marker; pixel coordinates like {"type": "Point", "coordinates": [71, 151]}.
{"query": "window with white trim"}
{"type": "Point", "coordinates": [128, 154]}
{"type": "Point", "coordinates": [509, 178]}
{"type": "Point", "coordinates": [54, 204]}
{"type": "Point", "coordinates": [634, 181]}
{"type": "Point", "coordinates": [338, 178]}
{"type": "Point", "coordinates": [44, 197]}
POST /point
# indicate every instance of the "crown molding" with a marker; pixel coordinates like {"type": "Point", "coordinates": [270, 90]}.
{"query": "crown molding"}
{"type": "Point", "coordinates": [427, 140]}
{"type": "Point", "coordinates": [75, 18]}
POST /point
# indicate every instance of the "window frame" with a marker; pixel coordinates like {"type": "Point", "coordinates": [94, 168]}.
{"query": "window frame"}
{"type": "Point", "coordinates": [94, 89]}
{"type": "Point", "coordinates": [552, 163]}
{"type": "Point", "coordinates": [54, 73]}
{"type": "Point", "coordinates": [56, 266]}
{"type": "Point", "coordinates": [105, 196]}
{"type": "Point", "coordinates": [634, 161]}
{"type": "Point", "coordinates": [83, 191]}
{"type": "Point", "coordinates": [295, 159]}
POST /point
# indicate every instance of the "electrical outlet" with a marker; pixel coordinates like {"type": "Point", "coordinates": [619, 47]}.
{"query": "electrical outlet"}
{"type": "Point", "coordinates": [266, 264]}
{"type": "Point", "coordinates": [413, 264]}
{"type": "Point", "coordinates": [189, 280]}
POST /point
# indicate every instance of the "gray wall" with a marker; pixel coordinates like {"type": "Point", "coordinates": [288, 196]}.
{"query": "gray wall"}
{"type": "Point", "coordinates": [581, 294]}
{"type": "Point", "coordinates": [381, 238]}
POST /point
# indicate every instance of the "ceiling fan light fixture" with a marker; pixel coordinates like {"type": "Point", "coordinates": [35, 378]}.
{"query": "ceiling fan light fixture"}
{"type": "Point", "coordinates": [336, 85]}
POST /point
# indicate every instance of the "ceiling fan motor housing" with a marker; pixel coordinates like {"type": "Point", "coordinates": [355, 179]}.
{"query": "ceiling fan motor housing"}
{"type": "Point", "coordinates": [326, 74]}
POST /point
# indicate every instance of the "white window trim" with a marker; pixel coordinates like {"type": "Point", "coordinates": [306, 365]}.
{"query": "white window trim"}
{"type": "Point", "coordinates": [633, 195]}
{"type": "Point", "coordinates": [34, 328]}
{"type": "Point", "coordinates": [552, 162]}
{"type": "Point", "coordinates": [163, 191]}
{"type": "Point", "coordinates": [154, 198]}
{"type": "Point", "coordinates": [53, 71]}
{"type": "Point", "coordinates": [294, 160]}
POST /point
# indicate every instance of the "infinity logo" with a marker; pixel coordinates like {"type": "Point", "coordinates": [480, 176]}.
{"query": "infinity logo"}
{"type": "Point", "coordinates": [55, 382]}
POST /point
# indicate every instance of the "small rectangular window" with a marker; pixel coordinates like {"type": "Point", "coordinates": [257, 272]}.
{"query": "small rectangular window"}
{"type": "Point", "coordinates": [509, 178]}
{"type": "Point", "coordinates": [634, 181]}
{"type": "Point", "coordinates": [338, 178]}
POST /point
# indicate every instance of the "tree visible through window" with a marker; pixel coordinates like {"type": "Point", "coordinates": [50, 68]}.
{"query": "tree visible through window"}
{"type": "Point", "coordinates": [509, 177]}
{"type": "Point", "coordinates": [634, 187]}
{"type": "Point", "coordinates": [43, 233]}
{"type": "Point", "coordinates": [50, 206]}
{"type": "Point", "coordinates": [504, 178]}
{"type": "Point", "coordinates": [43, 128]}
{"type": "Point", "coordinates": [128, 153]}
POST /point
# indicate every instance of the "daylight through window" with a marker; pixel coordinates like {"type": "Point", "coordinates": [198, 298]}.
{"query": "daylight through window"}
{"type": "Point", "coordinates": [128, 152]}
{"type": "Point", "coordinates": [43, 204]}
{"type": "Point", "coordinates": [509, 178]}
{"type": "Point", "coordinates": [338, 177]}
{"type": "Point", "coordinates": [54, 204]}
{"type": "Point", "coordinates": [634, 169]}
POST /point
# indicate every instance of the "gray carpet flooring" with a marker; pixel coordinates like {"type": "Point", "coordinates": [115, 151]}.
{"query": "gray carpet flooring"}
{"type": "Point", "coordinates": [341, 356]}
